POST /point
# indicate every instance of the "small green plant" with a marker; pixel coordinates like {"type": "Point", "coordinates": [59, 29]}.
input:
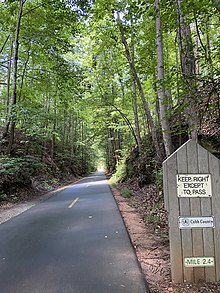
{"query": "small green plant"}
{"type": "Point", "coordinates": [120, 173]}
{"type": "Point", "coordinates": [159, 178]}
{"type": "Point", "coordinates": [27, 165]}
{"type": "Point", "coordinates": [55, 180]}
{"type": "Point", "coordinates": [3, 197]}
{"type": "Point", "coordinates": [127, 193]}
{"type": "Point", "coordinates": [153, 216]}
{"type": "Point", "coordinates": [114, 185]}
{"type": "Point", "coordinates": [45, 185]}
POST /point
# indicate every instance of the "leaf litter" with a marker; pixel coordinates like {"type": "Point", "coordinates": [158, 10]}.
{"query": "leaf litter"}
{"type": "Point", "coordinates": [147, 224]}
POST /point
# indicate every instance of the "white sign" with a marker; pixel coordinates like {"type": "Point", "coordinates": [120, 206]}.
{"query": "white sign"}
{"type": "Point", "coordinates": [204, 261]}
{"type": "Point", "coordinates": [194, 185]}
{"type": "Point", "coordinates": [196, 222]}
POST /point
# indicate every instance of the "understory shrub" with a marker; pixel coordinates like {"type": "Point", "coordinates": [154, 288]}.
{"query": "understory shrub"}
{"type": "Point", "coordinates": [126, 192]}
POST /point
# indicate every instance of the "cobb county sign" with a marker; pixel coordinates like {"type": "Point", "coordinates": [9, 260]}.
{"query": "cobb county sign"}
{"type": "Point", "coordinates": [196, 222]}
{"type": "Point", "coordinates": [194, 185]}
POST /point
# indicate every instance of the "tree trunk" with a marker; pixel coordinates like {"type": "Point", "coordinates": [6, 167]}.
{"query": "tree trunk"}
{"type": "Point", "coordinates": [72, 137]}
{"type": "Point", "coordinates": [135, 109]}
{"type": "Point", "coordinates": [161, 88]}
{"type": "Point", "coordinates": [82, 148]}
{"type": "Point", "coordinates": [196, 41]}
{"type": "Point", "coordinates": [112, 156]}
{"type": "Point", "coordinates": [7, 103]}
{"type": "Point", "coordinates": [5, 42]}
{"type": "Point", "coordinates": [140, 88]}
{"type": "Point", "coordinates": [136, 119]}
{"type": "Point", "coordinates": [12, 113]}
{"type": "Point", "coordinates": [53, 140]}
{"type": "Point", "coordinates": [64, 128]}
{"type": "Point", "coordinates": [187, 60]}
{"type": "Point", "coordinates": [127, 122]}
{"type": "Point", "coordinates": [25, 68]}
{"type": "Point", "coordinates": [208, 50]}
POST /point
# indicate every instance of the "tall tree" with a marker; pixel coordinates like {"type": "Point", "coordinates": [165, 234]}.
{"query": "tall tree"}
{"type": "Point", "coordinates": [187, 60]}
{"type": "Point", "coordinates": [134, 94]}
{"type": "Point", "coordinates": [12, 113]}
{"type": "Point", "coordinates": [161, 83]}
{"type": "Point", "coordinates": [140, 88]}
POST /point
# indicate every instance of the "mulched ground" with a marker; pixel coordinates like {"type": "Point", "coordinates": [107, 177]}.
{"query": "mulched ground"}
{"type": "Point", "coordinates": [150, 240]}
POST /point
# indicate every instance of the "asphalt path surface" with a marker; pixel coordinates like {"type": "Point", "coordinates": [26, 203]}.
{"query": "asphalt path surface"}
{"type": "Point", "coordinates": [74, 242]}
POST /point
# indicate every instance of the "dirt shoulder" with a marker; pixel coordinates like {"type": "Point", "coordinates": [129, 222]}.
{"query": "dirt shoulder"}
{"type": "Point", "coordinates": [153, 252]}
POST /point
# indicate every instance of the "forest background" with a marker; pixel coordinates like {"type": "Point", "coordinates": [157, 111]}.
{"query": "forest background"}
{"type": "Point", "coordinates": [114, 84]}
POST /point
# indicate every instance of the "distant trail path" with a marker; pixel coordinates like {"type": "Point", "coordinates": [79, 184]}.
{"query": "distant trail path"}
{"type": "Point", "coordinates": [74, 242]}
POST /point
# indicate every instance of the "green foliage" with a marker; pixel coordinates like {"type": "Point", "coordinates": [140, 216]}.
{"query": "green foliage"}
{"type": "Point", "coordinates": [3, 196]}
{"type": "Point", "coordinates": [45, 185]}
{"type": "Point", "coordinates": [17, 172]}
{"type": "Point", "coordinates": [153, 216]}
{"type": "Point", "coordinates": [126, 192]}
{"type": "Point", "coordinates": [120, 173]}
{"type": "Point", "coordinates": [75, 89]}
{"type": "Point", "coordinates": [15, 165]}
{"type": "Point", "coordinates": [159, 178]}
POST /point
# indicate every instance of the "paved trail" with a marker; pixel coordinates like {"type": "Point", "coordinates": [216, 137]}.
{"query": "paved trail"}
{"type": "Point", "coordinates": [74, 242]}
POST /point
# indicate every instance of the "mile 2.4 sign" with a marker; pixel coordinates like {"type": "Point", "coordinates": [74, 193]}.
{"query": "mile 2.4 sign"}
{"type": "Point", "coordinates": [204, 261]}
{"type": "Point", "coordinates": [194, 185]}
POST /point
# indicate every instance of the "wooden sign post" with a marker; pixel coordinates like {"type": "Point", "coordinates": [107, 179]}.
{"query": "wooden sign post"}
{"type": "Point", "coordinates": [192, 199]}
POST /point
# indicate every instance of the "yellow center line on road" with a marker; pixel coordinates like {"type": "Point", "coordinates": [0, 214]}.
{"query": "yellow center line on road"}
{"type": "Point", "coordinates": [72, 204]}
